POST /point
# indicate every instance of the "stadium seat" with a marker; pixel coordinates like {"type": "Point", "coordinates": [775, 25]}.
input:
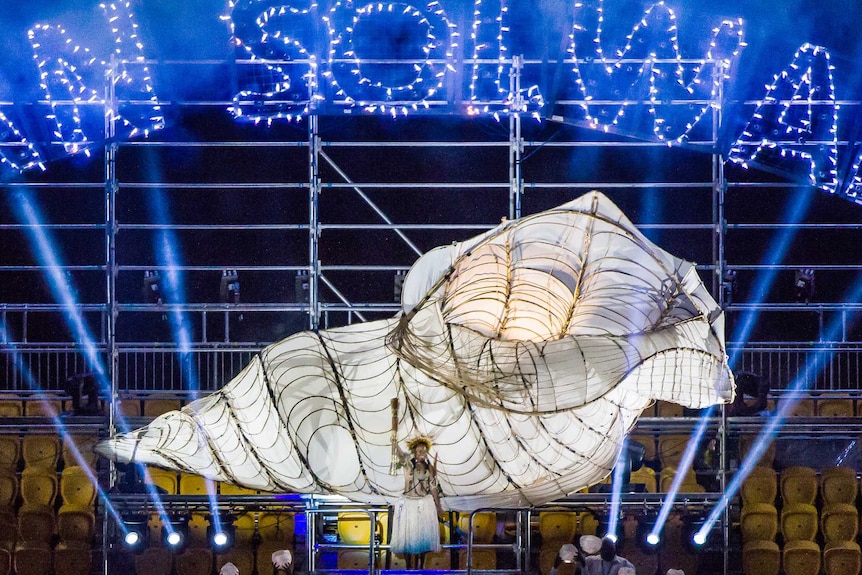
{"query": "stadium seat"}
{"type": "Point", "coordinates": [33, 560]}
{"type": "Point", "coordinates": [481, 559]}
{"type": "Point", "coordinates": [8, 492]}
{"type": "Point", "coordinates": [41, 451]}
{"type": "Point", "coordinates": [800, 407]}
{"type": "Point", "coordinates": [72, 561]}
{"type": "Point", "coordinates": [798, 484]}
{"type": "Point", "coordinates": [758, 522]}
{"type": "Point", "coordinates": [5, 561]}
{"type": "Point", "coordinates": [842, 558]}
{"type": "Point", "coordinates": [767, 458]}
{"type": "Point", "coordinates": [11, 408]}
{"type": "Point", "coordinates": [836, 407]}
{"type": "Point", "coordinates": [668, 409]}
{"type": "Point", "coordinates": [355, 528]}
{"type": "Point", "coordinates": [230, 489]}
{"type": "Point", "coordinates": [801, 558]}
{"type": "Point", "coordinates": [38, 486]}
{"type": "Point", "coordinates": [276, 532]}
{"type": "Point", "coordinates": [128, 407]}
{"type": "Point", "coordinates": [43, 406]}
{"type": "Point", "coordinates": [761, 558]}
{"type": "Point", "coordinates": [195, 561]}
{"type": "Point", "coordinates": [77, 487]}
{"type": "Point", "coordinates": [557, 526]}
{"type": "Point", "coordinates": [10, 451]}
{"type": "Point", "coordinates": [759, 486]}
{"type": "Point", "coordinates": [689, 481]}
{"type": "Point", "coordinates": [838, 485]}
{"type": "Point", "coordinates": [78, 450]}
{"type": "Point", "coordinates": [36, 526]}
{"type": "Point", "coordinates": [650, 446]}
{"type": "Point", "coordinates": [671, 448]}
{"type": "Point", "coordinates": [163, 479]}
{"type": "Point", "coordinates": [484, 525]}
{"type": "Point", "coordinates": [156, 406]}
{"type": "Point", "coordinates": [353, 559]}
{"type": "Point", "coordinates": [839, 522]}
{"type": "Point", "coordinates": [645, 476]}
{"type": "Point", "coordinates": [75, 526]}
{"type": "Point", "coordinates": [154, 561]}
{"type": "Point", "coordinates": [8, 530]}
{"type": "Point", "coordinates": [798, 522]}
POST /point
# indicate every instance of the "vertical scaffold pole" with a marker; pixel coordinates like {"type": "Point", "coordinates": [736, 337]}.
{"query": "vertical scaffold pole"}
{"type": "Point", "coordinates": [313, 220]}
{"type": "Point", "coordinates": [516, 144]}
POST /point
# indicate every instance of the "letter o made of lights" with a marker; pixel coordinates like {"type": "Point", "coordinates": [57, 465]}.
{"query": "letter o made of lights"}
{"type": "Point", "coordinates": [362, 37]}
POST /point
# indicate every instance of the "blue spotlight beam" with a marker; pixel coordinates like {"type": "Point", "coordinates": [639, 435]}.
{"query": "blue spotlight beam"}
{"type": "Point", "coordinates": [800, 384]}
{"type": "Point", "coordinates": [616, 490]}
{"type": "Point", "coordinates": [58, 423]}
{"type": "Point", "coordinates": [684, 464]}
{"type": "Point", "coordinates": [795, 213]}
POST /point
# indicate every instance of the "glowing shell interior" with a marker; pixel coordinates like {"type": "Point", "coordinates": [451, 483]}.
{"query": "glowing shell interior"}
{"type": "Point", "coordinates": [527, 353]}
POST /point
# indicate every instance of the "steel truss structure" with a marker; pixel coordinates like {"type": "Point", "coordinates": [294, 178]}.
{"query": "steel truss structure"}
{"type": "Point", "coordinates": [319, 220]}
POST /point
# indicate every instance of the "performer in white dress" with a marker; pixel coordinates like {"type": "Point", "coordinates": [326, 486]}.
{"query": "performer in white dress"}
{"type": "Point", "coordinates": [414, 521]}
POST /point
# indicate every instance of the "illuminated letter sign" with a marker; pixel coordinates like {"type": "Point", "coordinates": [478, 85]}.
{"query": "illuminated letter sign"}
{"type": "Point", "coordinates": [794, 129]}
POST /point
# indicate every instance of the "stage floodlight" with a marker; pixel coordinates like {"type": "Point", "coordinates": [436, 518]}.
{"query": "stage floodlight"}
{"type": "Point", "coordinates": [152, 287]}
{"type": "Point", "coordinates": [135, 532]}
{"type": "Point", "coordinates": [229, 287]}
{"type": "Point", "coordinates": [648, 537]}
{"type": "Point", "coordinates": [175, 534]}
{"type": "Point", "coordinates": [302, 287]}
{"type": "Point", "coordinates": [221, 532]}
{"type": "Point", "coordinates": [693, 532]}
{"type": "Point", "coordinates": [804, 285]}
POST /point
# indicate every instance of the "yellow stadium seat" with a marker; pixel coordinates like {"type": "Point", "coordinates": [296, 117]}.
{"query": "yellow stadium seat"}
{"type": "Point", "coordinates": [836, 407]}
{"type": "Point", "coordinates": [801, 408]}
{"type": "Point", "coordinates": [10, 451]}
{"type": "Point", "coordinates": [128, 407]}
{"type": "Point", "coordinates": [671, 448]}
{"type": "Point", "coordinates": [8, 530]}
{"type": "Point", "coordinates": [41, 451]}
{"type": "Point", "coordinates": [31, 560]}
{"type": "Point", "coordinates": [8, 492]}
{"type": "Point", "coordinates": [276, 533]}
{"type": "Point", "coordinates": [484, 525]}
{"type": "Point", "coordinates": [78, 450]}
{"type": "Point", "coordinates": [440, 561]}
{"type": "Point", "coordinates": [353, 559]}
{"type": "Point", "coordinates": [38, 486]}
{"type": "Point", "coordinates": [689, 482]}
{"type": "Point", "coordinates": [557, 527]}
{"type": "Point", "coordinates": [75, 526]}
{"type": "Point", "coordinates": [838, 485]}
{"type": "Point", "coordinates": [70, 561]}
{"type": "Point", "coordinates": [76, 487]}
{"type": "Point", "coordinates": [36, 525]}
{"type": "Point", "coordinates": [767, 458]}
{"type": "Point", "coordinates": [481, 559]}
{"type": "Point", "coordinates": [842, 558]}
{"type": "Point", "coordinates": [43, 406]}
{"type": "Point", "coordinates": [839, 522]}
{"type": "Point", "coordinates": [163, 479]}
{"type": "Point", "coordinates": [230, 489]}
{"type": "Point", "coordinates": [668, 409]}
{"type": "Point", "coordinates": [798, 484]}
{"type": "Point", "coordinates": [650, 445]}
{"type": "Point", "coordinates": [799, 522]}
{"type": "Point", "coordinates": [197, 561]}
{"type": "Point", "coordinates": [645, 476]}
{"type": "Point", "coordinates": [5, 562]}
{"type": "Point", "coordinates": [155, 406]}
{"type": "Point", "coordinates": [759, 486]}
{"type": "Point", "coordinates": [355, 527]}
{"type": "Point", "coordinates": [801, 558]}
{"type": "Point", "coordinates": [11, 408]}
{"type": "Point", "coordinates": [154, 561]}
{"type": "Point", "coordinates": [198, 524]}
{"type": "Point", "coordinates": [193, 484]}
{"type": "Point", "coordinates": [758, 522]}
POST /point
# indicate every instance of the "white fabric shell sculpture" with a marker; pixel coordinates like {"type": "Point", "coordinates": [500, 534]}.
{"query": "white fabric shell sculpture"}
{"type": "Point", "coordinates": [527, 353]}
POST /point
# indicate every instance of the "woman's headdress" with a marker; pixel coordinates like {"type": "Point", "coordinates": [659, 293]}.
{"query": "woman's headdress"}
{"type": "Point", "coordinates": [419, 440]}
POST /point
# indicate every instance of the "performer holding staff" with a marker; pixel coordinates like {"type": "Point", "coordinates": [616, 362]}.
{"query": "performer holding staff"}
{"type": "Point", "coordinates": [414, 520]}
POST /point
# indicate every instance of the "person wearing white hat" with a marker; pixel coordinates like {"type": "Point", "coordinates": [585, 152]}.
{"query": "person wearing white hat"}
{"type": "Point", "coordinates": [607, 562]}
{"type": "Point", "coordinates": [228, 569]}
{"type": "Point", "coordinates": [282, 562]}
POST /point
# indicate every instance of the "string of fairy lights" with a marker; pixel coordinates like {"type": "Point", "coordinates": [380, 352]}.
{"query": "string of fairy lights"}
{"type": "Point", "coordinates": [399, 58]}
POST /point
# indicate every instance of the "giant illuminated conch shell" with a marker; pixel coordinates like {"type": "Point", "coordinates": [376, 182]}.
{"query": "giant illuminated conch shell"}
{"type": "Point", "coordinates": [527, 353]}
